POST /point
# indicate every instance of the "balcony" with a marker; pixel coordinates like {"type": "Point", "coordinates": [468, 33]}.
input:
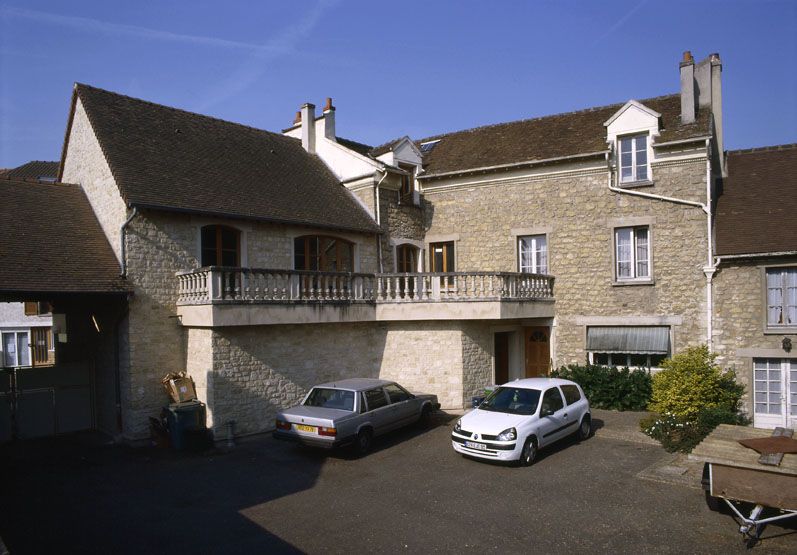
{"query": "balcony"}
{"type": "Point", "coordinates": [221, 296]}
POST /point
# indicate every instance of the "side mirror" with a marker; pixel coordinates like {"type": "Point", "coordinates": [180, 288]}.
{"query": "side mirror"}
{"type": "Point", "coordinates": [411, 396]}
{"type": "Point", "coordinates": [545, 411]}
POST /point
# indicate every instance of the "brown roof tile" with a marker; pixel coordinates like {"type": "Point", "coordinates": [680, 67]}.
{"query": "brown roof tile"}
{"type": "Point", "coordinates": [170, 159]}
{"type": "Point", "coordinates": [50, 241]}
{"type": "Point", "coordinates": [35, 169]}
{"type": "Point", "coordinates": [548, 137]}
{"type": "Point", "coordinates": [757, 210]}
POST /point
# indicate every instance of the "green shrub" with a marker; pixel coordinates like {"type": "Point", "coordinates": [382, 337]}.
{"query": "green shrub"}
{"type": "Point", "coordinates": [690, 382]}
{"type": "Point", "coordinates": [609, 387]}
{"type": "Point", "coordinates": [676, 433]}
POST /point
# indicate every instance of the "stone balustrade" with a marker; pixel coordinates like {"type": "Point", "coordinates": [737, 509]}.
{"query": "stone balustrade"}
{"type": "Point", "coordinates": [220, 285]}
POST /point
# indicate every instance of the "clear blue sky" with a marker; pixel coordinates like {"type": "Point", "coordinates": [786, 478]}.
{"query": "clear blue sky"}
{"type": "Point", "coordinates": [399, 68]}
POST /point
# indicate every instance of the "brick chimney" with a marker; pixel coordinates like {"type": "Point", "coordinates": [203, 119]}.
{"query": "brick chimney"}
{"type": "Point", "coordinates": [308, 127]}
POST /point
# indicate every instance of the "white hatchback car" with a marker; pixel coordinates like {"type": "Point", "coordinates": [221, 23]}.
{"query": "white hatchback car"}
{"type": "Point", "coordinates": [520, 417]}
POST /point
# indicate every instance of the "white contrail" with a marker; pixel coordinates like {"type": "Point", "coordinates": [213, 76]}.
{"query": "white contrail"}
{"type": "Point", "coordinates": [620, 22]}
{"type": "Point", "coordinates": [116, 29]}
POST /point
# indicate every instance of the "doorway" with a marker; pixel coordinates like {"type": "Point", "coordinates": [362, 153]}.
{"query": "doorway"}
{"type": "Point", "coordinates": [537, 347]}
{"type": "Point", "coordinates": [775, 392]}
{"type": "Point", "coordinates": [501, 350]}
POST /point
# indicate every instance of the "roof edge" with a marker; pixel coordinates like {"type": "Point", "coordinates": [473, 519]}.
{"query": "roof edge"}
{"type": "Point", "coordinates": [527, 163]}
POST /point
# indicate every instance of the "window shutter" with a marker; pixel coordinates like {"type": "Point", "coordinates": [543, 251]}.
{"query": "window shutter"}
{"type": "Point", "coordinates": [31, 308]}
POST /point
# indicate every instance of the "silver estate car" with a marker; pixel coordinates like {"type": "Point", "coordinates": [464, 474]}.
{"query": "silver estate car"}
{"type": "Point", "coordinates": [352, 411]}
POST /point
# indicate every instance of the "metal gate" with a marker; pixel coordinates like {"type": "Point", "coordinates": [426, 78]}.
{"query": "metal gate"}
{"type": "Point", "coordinates": [39, 402]}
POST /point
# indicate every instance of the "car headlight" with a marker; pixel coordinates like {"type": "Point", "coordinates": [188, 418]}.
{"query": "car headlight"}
{"type": "Point", "coordinates": [458, 426]}
{"type": "Point", "coordinates": [508, 435]}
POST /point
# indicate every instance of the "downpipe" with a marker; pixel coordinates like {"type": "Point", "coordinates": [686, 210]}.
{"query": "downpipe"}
{"type": "Point", "coordinates": [122, 248]}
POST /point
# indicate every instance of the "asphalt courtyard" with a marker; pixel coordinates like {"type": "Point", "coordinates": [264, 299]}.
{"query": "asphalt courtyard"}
{"type": "Point", "coordinates": [411, 494]}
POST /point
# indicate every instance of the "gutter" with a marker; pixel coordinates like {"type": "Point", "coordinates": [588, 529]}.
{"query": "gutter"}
{"type": "Point", "coordinates": [122, 249]}
{"type": "Point", "coordinates": [719, 259]}
{"type": "Point", "coordinates": [379, 221]}
{"type": "Point", "coordinates": [682, 141]}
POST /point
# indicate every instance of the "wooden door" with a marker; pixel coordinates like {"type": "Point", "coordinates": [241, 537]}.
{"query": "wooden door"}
{"type": "Point", "coordinates": [502, 357]}
{"type": "Point", "coordinates": [538, 351]}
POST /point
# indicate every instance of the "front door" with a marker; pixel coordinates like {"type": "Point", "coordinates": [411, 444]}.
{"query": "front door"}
{"type": "Point", "coordinates": [538, 351]}
{"type": "Point", "coordinates": [775, 391]}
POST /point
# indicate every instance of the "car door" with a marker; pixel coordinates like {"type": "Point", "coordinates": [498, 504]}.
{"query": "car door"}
{"type": "Point", "coordinates": [575, 401]}
{"type": "Point", "coordinates": [378, 410]}
{"type": "Point", "coordinates": [555, 421]}
{"type": "Point", "coordinates": [403, 409]}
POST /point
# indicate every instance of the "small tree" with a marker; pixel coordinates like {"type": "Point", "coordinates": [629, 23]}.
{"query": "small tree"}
{"type": "Point", "coordinates": [691, 382]}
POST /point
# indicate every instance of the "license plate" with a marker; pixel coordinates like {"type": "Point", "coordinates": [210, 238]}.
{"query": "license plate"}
{"type": "Point", "coordinates": [303, 428]}
{"type": "Point", "coordinates": [479, 446]}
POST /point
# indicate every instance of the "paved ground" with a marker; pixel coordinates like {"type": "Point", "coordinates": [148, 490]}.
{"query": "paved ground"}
{"type": "Point", "coordinates": [412, 494]}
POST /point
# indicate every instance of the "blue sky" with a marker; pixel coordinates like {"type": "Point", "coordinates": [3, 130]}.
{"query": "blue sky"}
{"type": "Point", "coordinates": [401, 68]}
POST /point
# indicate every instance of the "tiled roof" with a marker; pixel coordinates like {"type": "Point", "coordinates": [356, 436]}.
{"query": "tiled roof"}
{"type": "Point", "coordinates": [50, 241]}
{"type": "Point", "coordinates": [548, 137]}
{"type": "Point", "coordinates": [35, 169]}
{"type": "Point", "coordinates": [359, 148]}
{"type": "Point", "coordinates": [385, 147]}
{"type": "Point", "coordinates": [757, 207]}
{"type": "Point", "coordinates": [170, 159]}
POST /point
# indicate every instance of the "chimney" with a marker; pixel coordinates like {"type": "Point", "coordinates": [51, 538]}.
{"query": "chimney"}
{"type": "Point", "coordinates": [688, 88]}
{"type": "Point", "coordinates": [329, 120]}
{"type": "Point", "coordinates": [708, 96]}
{"type": "Point", "coordinates": [308, 127]}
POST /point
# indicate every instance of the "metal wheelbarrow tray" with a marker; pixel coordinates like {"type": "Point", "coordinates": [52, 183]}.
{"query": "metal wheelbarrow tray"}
{"type": "Point", "coordinates": [732, 473]}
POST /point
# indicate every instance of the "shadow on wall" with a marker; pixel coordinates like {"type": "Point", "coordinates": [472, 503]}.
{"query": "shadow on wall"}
{"type": "Point", "coordinates": [260, 370]}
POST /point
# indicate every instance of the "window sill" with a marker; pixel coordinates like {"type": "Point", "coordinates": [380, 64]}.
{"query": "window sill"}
{"type": "Point", "coordinates": [625, 282]}
{"type": "Point", "coordinates": [781, 331]}
{"type": "Point", "coordinates": [635, 184]}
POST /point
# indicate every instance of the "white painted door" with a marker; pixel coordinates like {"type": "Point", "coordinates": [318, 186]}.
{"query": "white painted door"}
{"type": "Point", "coordinates": [775, 391]}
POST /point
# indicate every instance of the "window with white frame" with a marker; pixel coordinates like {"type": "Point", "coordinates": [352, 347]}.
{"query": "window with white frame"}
{"type": "Point", "coordinates": [632, 253]}
{"type": "Point", "coordinates": [634, 158]}
{"type": "Point", "coordinates": [628, 346]}
{"type": "Point", "coordinates": [533, 254]}
{"type": "Point", "coordinates": [16, 349]}
{"type": "Point", "coordinates": [782, 297]}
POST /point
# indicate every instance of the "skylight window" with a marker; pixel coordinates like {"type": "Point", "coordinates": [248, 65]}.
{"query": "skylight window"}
{"type": "Point", "coordinates": [428, 146]}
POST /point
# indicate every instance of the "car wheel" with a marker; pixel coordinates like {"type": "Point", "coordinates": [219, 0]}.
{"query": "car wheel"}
{"type": "Point", "coordinates": [425, 419]}
{"type": "Point", "coordinates": [585, 428]}
{"type": "Point", "coordinates": [363, 443]}
{"type": "Point", "coordinates": [529, 452]}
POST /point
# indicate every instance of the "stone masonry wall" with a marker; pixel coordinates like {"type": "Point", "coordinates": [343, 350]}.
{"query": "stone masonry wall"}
{"type": "Point", "coordinates": [477, 359]}
{"type": "Point", "coordinates": [85, 165]}
{"type": "Point", "coordinates": [740, 314]}
{"type": "Point", "coordinates": [579, 213]}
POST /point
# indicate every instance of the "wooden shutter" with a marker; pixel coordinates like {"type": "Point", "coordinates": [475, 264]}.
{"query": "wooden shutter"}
{"type": "Point", "coordinates": [31, 308]}
{"type": "Point", "coordinates": [41, 345]}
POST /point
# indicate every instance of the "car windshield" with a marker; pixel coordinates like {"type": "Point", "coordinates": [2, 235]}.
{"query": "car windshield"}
{"type": "Point", "coordinates": [330, 399]}
{"type": "Point", "coordinates": [513, 400]}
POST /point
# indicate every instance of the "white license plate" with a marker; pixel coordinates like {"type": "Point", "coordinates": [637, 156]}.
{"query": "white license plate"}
{"type": "Point", "coordinates": [479, 446]}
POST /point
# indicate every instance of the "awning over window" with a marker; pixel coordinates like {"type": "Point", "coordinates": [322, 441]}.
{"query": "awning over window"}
{"type": "Point", "coordinates": [626, 339]}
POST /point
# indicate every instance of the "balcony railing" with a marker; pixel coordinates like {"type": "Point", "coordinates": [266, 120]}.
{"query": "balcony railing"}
{"type": "Point", "coordinates": [220, 285]}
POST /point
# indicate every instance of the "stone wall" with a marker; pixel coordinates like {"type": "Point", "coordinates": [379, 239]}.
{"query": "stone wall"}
{"type": "Point", "coordinates": [739, 321]}
{"type": "Point", "coordinates": [477, 359]}
{"type": "Point", "coordinates": [578, 212]}
{"type": "Point", "coordinates": [85, 165]}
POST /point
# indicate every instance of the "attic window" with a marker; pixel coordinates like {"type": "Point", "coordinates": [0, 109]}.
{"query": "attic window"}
{"type": "Point", "coordinates": [428, 146]}
{"type": "Point", "coordinates": [407, 181]}
{"type": "Point", "coordinates": [634, 158]}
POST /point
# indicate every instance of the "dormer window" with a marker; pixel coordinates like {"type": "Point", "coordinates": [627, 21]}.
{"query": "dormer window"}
{"type": "Point", "coordinates": [634, 158]}
{"type": "Point", "coordinates": [407, 184]}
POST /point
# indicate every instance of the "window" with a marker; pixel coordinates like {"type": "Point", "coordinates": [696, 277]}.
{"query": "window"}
{"type": "Point", "coordinates": [396, 393]}
{"type": "Point", "coordinates": [768, 390]}
{"type": "Point", "coordinates": [375, 398]}
{"type": "Point", "coordinates": [628, 346]}
{"type": "Point", "coordinates": [323, 254]}
{"type": "Point", "coordinates": [533, 254]}
{"type": "Point", "coordinates": [407, 181]}
{"type": "Point", "coordinates": [16, 349]}
{"type": "Point", "coordinates": [221, 246]}
{"type": "Point", "coordinates": [441, 257]}
{"type": "Point", "coordinates": [406, 259]}
{"type": "Point", "coordinates": [782, 297]}
{"type": "Point", "coordinates": [634, 159]}
{"type": "Point", "coordinates": [33, 308]}
{"type": "Point", "coordinates": [632, 253]}
{"type": "Point", "coordinates": [330, 399]}
{"type": "Point", "coordinates": [571, 393]}
{"type": "Point", "coordinates": [552, 401]}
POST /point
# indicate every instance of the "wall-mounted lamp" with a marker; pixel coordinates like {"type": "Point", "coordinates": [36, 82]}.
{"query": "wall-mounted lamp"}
{"type": "Point", "coordinates": [786, 343]}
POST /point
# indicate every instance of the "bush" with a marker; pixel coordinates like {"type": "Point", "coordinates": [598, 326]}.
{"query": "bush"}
{"type": "Point", "coordinates": [676, 433]}
{"type": "Point", "coordinates": [690, 382]}
{"type": "Point", "coordinates": [609, 387]}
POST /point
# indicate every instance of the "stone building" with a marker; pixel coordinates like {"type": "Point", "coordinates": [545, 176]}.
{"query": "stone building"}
{"type": "Point", "coordinates": [263, 263]}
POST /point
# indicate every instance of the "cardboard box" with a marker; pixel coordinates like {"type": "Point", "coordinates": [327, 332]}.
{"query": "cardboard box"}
{"type": "Point", "coordinates": [179, 387]}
